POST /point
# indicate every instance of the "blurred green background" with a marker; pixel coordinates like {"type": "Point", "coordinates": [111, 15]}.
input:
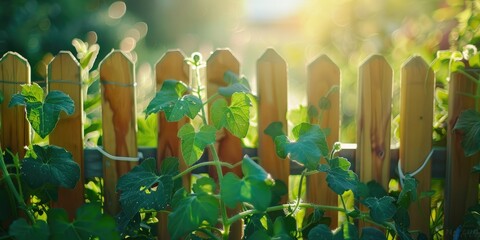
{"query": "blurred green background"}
{"type": "Point", "coordinates": [347, 31]}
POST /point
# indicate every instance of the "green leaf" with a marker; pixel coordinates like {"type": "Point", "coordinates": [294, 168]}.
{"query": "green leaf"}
{"type": "Point", "coordinates": [21, 230]}
{"type": "Point", "coordinates": [143, 188]}
{"type": "Point", "coordinates": [321, 231]}
{"type": "Point", "coordinates": [469, 123]}
{"type": "Point", "coordinates": [382, 209]}
{"type": "Point", "coordinates": [205, 185]}
{"type": "Point", "coordinates": [308, 146]}
{"type": "Point", "coordinates": [255, 187]}
{"type": "Point", "coordinates": [403, 233]}
{"type": "Point", "coordinates": [259, 235]}
{"type": "Point", "coordinates": [274, 130]}
{"type": "Point", "coordinates": [476, 168]}
{"type": "Point", "coordinates": [52, 165]}
{"type": "Point", "coordinates": [339, 177]}
{"type": "Point", "coordinates": [370, 233]}
{"type": "Point", "coordinates": [235, 84]}
{"type": "Point", "coordinates": [89, 222]}
{"type": "Point", "coordinates": [191, 212]}
{"type": "Point", "coordinates": [171, 100]}
{"type": "Point", "coordinates": [347, 231]}
{"type": "Point", "coordinates": [194, 143]}
{"type": "Point", "coordinates": [236, 117]}
{"type": "Point", "coordinates": [284, 228]}
{"type": "Point", "coordinates": [43, 114]}
{"type": "Point", "coordinates": [409, 190]}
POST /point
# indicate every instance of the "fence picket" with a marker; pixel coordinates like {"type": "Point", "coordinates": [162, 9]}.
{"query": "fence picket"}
{"type": "Point", "coordinates": [119, 122]}
{"type": "Point", "coordinates": [461, 191]}
{"type": "Point", "coordinates": [15, 129]}
{"type": "Point", "coordinates": [416, 121]}
{"type": "Point", "coordinates": [170, 66]}
{"type": "Point", "coordinates": [272, 107]}
{"type": "Point", "coordinates": [324, 76]}
{"type": "Point", "coordinates": [64, 74]}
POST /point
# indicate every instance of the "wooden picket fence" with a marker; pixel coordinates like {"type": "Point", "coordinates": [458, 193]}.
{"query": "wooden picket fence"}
{"type": "Point", "coordinates": [373, 153]}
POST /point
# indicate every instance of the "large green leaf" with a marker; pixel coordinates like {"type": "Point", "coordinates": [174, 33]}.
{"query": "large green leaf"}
{"type": "Point", "coordinates": [321, 231]}
{"type": "Point", "coordinates": [194, 143]}
{"type": "Point", "coordinates": [308, 146]}
{"type": "Point", "coordinates": [43, 114]}
{"type": "Point", "coordinates": [339, 176]}
{"type": "Point", "coordinates": [191, 212]}
{"type": "Point", "coordinates": [370, 233]}
{"type": "Point", "coordinates": [143, 188]}
{"type": "Point", "coordinates": [347, 231]}
{"type": "Point", "coordinates": [236, 117]}
{"type": "Point", "coordinates": [21, 230]}
{"type": "Point", "coordinates": [171, 100]}
{"type": "Point", "coordinates": [235, 84]}
{"type": "Point", "coordinates": [52, 165]}
{"type": "Point", "coordinates": [255, 187]}
{"type": "Point", "coordinates": [469, 123]}
{"type": "Point", "coordinates": [89, 222]}
{"type": "Point", "coordinates": [382, 209]}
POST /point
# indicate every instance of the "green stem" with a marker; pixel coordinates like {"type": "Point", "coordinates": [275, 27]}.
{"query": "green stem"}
{"type": "Point", "coordinates": [344, 207]}
{"type": "Point", "coordinates": [11, 186]}
{"type": "Point", "coordinates": [299, 194]}
{"type": "Point", "coordinates": [218, 167]}
{"type": "Point", "coordinates": [211, 98]}
{"type": "Point", "coordinates": [203, 164]}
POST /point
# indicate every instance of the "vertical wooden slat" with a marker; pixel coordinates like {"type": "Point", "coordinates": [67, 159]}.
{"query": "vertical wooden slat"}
{"type": "Point", "coordinates": [461, 190]}
{"type": "Point", "coordinates": [229, 147]}
{"type": "Point", "coordinates": [323, 75]}
{"type": "Point", "coordinates": [170, 66]}
{"type": "Point", "coordinates": [374, 120]}
{"type": "Point", "coordinates": [272, 107]}
{"type": "Point", "coordinates": [64, 74]}
{"type": "Point", "coordinates": [15, 129]}
{"type": "Point", "coordinates": [118, 122]}
{"type": "Point", "coordinates": [416, 121]}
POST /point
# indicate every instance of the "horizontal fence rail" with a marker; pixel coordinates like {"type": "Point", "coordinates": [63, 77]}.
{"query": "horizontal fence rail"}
{"type": "Point", "coordinates": [371, 157]}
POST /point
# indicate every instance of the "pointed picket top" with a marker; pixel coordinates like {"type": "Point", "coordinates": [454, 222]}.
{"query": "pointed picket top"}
{"type": "Point", "coordinates": [270, 55]}
{"type": "Point", "coordinates": [117, 64]}
{"type": "Point", "coordinates": [14, 71]}
{"type": "Point", "coordinates": [172, 66]}
{"type": "Point", "coordinates": [218, 63]}
{"type": "Point", "coordinates": [324, 81]}
{"type": "Point", "coordinates": [416, 121]}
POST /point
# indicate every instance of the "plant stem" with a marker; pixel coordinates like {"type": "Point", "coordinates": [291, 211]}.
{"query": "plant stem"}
{"type": "Point", "coordinates": [344, 207]}
{"type": "Point", "coordinates": [203, 164]}
{"type": "Point", "coordinates": [299, 194]}
{"type": "Point", "coordinates": [11, 186]}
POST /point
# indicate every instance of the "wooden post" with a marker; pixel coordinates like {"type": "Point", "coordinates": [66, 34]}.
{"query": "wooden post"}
{"type": "Point", "coordinates": [15, 129]}
{"type": "Point", "coordinates": [229, 147]}
{"type": "Point", "coordinates": [324, 76]}
{"type": "Point", "coordinates": [64, 74]}
{"type": "Point", "coordinates": [119, 122]}
{"type": "Point", "coordinates": [272, 107]}
{"type": "Point", "coordinates": [374, 120]}
{"type": "Point", "coordinates": [461, 190]}
{"type": "Point", "coordinates": [170, 66]}
{"type": "Point", "coordinates": [416, 121]}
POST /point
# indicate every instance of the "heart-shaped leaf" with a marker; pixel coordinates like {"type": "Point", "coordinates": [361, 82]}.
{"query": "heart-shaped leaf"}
{"type": "Point", "coordinates": [382, 209]}
{"type": "Point", "coordinates": [308, 146]}
{"type": "Point", "coordinates": [254, 188]}
{"type": "Point", "coordinates": [190, 212]}
{"type": "Point", "coordinates": [52, 165]}
{"type": "Point", "coordinates": [236, 117]}
{"type": "Point", "coordinates": [89, 222]}
{"type": "Point", "coordinates": [21, 230]}
{"type": "Point", "coordinates": [171, 100]}
{"type": "Point", "coordinates": [143, 188]}
{"type": "Point", "coordinates": [321, 231]}
{"type": "Point", "coordinates": [194, 143]}
{"type": "Point", "coordinates": [370, 233]}
{"type": "Point", "coordinates": [339, 177]}
{"type": "Point", "coordinates": [235, 84]}
{"type": "Point", "coordinates": [469, 123]}
{"type": "Point", "coordinates": [43, 114]}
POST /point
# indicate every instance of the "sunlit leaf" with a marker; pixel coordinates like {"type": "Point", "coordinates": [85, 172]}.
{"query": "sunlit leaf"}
{"type": "Point", "coordinates": [205, 185]}
{"type": "Point", "coordinates": [194, 143]}
{"type": "Point", "coordinates": [235, 84]}
{"type": "Point", "coordinates": [171, 100]}
{"type": "Point", "coordinates": [339, 177]}
{"type": "Point", "coordinates": [236, 117]}
{"type": "Point", "coordinates": [43, 114]}
{"type": "Point", "coordinates": [469, 124]}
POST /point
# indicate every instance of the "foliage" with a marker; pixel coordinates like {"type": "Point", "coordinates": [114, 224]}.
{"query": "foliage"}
{"type": "Point", "coordinates": [42, 171]}
{"type": "Point", "coordinates": [203, 210]}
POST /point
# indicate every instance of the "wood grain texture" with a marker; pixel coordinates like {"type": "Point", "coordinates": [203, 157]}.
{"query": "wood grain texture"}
{"type": "Point", "coordinates": [272, 107]}
{"type": "Point", "coordinates": [118, 122]}
{"type": "Point", "coordinates": [374, 120]}
{"type": "Point", "coordinates": [416, 121]}
{"type": "Point", "coordinates": [461, 191]}
{"type": "Point", "coordinates": [170, 66]}
{"type": "Point", "coordinates": [323, 74]}
{"type": "Point", "coordinates": [15, 129]}
{"type": "Point", "coordinates": [64, 74]}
